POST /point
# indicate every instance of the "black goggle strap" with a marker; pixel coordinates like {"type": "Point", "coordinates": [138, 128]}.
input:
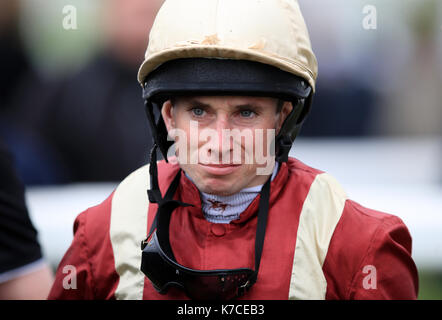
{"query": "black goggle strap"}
{"type": "Point", "coordinates": [165, 204]}
{"type": "Point", "coordinates": [263, 211]}
{"type": "Point", "coordinates": [167, 198]}
{"type": "Point", "coordinates": [154, 192]}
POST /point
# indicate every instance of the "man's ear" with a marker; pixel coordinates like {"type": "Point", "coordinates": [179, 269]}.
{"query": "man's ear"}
{"type": "Point", "coordinates": [287, 107]}
{"type": "Point", "coordinates": [167, 114]}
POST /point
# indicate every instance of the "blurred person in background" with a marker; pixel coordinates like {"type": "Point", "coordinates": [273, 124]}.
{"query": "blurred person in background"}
{"type": "Point", "coordinates": [91, 117]}
{"type": "Point", "coordinates": [37, 162]}
{"type": "Point", "coordinates": [346, 103]}
{"type": "Point", "coordinates": [413, 105]}
{"type": "Point", "coordinates": [24, 273]}
{"type": "Point", "coordinates": [344, 107]}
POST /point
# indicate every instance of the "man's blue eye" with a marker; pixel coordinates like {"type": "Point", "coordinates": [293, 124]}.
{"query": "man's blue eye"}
{"type": "Point", "coordinates": [247, 113]}
{"type": "Point", "coordinates": [198, 111]}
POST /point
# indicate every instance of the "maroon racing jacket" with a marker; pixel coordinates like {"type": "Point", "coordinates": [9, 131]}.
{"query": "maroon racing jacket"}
{"type": "Point", "coordinates": [318, 244]}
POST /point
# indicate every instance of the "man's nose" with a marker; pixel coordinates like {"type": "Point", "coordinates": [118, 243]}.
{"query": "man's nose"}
{"type": "Point", "coordinates": [223, 143]}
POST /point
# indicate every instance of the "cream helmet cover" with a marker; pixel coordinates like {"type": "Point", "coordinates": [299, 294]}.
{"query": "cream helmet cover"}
{"type": "Point", "coordinates": [271, 32]}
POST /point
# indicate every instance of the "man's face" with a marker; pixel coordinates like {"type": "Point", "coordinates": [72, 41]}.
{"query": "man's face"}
{"type": "Point", "coordinates": [223, 141]}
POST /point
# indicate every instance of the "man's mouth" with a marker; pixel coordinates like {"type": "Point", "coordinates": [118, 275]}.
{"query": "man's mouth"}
{"type": "Point", "coordinates": [220, 169]}
{"type": "Point", "coordinates": [220, 165]}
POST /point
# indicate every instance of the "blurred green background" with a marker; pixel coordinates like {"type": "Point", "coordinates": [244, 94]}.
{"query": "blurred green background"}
{"type": "Point", "coordinates": [430, 284]}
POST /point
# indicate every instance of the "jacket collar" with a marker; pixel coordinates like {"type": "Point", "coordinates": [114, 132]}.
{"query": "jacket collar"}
{"type": "Point", "coordinates": [187, 192]}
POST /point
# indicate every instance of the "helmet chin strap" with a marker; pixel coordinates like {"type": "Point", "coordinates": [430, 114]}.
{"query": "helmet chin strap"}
{"type": "Point", "coordinates": [283, 146]}
{"type": "Point", "coordinates": [285, 140]}
{"type": "Point", "coordinates": [158, 128]}
{"type": "Point", "coordinates": [154, 192]}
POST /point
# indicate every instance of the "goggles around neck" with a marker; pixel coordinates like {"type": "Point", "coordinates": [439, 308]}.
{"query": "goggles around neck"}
{"type": "Point", "coordinates": [158, 262]}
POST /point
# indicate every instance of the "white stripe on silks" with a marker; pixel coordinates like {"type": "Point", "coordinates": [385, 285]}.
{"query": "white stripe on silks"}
{"type": "Point", "coordinates": [320, 214]}
{"type": "Point", "coordinates": [128, 227]}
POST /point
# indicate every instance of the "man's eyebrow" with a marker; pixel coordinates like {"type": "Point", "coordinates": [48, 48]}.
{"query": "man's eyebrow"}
{"type": "Point", "coordinates": [198, 104]}
{"type": "Point", "coordinates": [249, 106]}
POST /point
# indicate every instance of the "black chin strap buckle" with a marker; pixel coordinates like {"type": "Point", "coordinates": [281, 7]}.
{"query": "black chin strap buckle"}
{"type": "Point", "coordinates": [241, 290]}
{"type": "Point", "coordinates": [154, 196]}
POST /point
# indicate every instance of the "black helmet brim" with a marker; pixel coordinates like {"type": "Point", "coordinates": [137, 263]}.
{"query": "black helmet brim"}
{"type": "Point", "coordinates": [204, 76]}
